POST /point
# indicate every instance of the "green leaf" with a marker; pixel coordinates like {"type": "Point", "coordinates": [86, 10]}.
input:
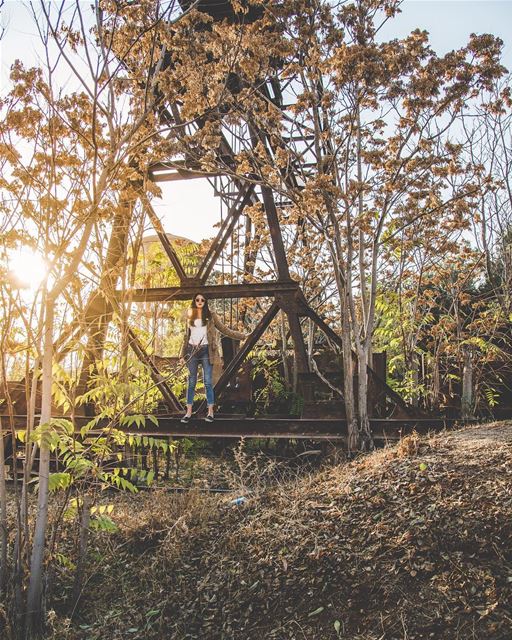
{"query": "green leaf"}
{"type": "Point", "coordinates": [71, 513]}
{"type": "Point", "coordinates": [127, 485]}
{"type": "Point", "coordinates": [153, 612]}
{"type": "Point", "coordinates": [63, 425]}
{"type": "Point", "coordinates": [59, 481]}
{"type": "Point", "coordinates": [337, 626]}
{"type": "Point", "coordinates": [104, 523]}
{"type": "Point", "coordinates": [316, 612]}
{"type": "Point", "coordinates": [64, 561]}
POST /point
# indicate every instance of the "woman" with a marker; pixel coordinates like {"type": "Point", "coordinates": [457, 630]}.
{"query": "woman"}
{"type": "Point", "coordinates": [202, 346]}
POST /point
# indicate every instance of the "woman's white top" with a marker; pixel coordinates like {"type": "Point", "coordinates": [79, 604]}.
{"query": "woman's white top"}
{"type": "Point", "coordinates": [198, 334]}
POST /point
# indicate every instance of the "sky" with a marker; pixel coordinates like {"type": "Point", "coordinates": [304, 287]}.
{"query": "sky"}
{"type": "Point", "coordinates": [189, 208]}
{"type": "Point", "coordinates": [450, 22]}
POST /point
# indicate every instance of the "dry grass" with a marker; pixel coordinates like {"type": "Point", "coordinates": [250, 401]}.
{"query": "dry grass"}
{"type": "Point", "coordinates": [412, 542]}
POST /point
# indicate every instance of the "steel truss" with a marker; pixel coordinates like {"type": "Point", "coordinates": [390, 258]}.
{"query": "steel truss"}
{"type": "Point", "coordinates": [236, 193]}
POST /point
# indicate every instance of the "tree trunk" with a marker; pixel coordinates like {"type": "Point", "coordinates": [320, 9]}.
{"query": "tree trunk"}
{"type": "Point", "coordinates": [436, 383]}
{"type": "Point", "coordinates": [365, 435]}
{"type": "Point", "coordinates": [348, 381]}
{"type": "Point", "coordinates": [311, 339]}
{"type": "Point", "coordinates": [99, 310]}
{"type": "Point", "coordinates": [3, 514]}
{"type": "Point", "coordinates": [467, 384]}
{"type": "Point", "coordinates": [414, 366]}
{"type": "Point", "coordinates": [30, 449]}
{"type": "Point", "coordinates": [34, 615]}
{"type": "Point", "coordinates": [82, 548]}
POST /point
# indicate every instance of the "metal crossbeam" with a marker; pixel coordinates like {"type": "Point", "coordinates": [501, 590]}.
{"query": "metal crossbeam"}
{"type": "Point", "coordinates": [226, 229]}
{"type": "Point", "coordinates": [228, 426]}
{"type": "Point", "coordinates": [166, 244]}
{"type": "Point", "coordinates": [332, 335]}
{"type": "Point", "coordinates": [166, 391]}
{"type": "Point", "coordinates": [244, 351]}
{"type": "Point", "coordinates": [220, 291]}
{"type": "Point", "coordinates": [176, 170]}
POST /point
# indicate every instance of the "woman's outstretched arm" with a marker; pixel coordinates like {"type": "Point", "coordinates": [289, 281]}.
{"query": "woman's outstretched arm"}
{"type": "Point", "coordinates": [230, 333]}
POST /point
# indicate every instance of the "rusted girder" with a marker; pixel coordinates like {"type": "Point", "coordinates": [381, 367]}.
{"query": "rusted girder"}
{"type": "Point", "coordinates": [170, 399]}
{"type": "Point", "coordinates": [162, 236]}
{"type": "Point", "coordinates": [171, 171]}
{"type": "Point", "coordinates": [218, 291]}
{"type": "Point", "coordinates": [226, 229]}
{"type": "Point", "coordinates": [228, 426]}
{"type": "Point", "coordinates": [246, 348]}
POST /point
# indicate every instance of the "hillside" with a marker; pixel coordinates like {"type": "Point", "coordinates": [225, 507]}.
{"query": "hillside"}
{"type": "Point", "coordinates": [414, 541]}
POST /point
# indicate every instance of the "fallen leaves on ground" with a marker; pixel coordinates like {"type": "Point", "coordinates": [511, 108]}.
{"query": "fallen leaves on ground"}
{"type": "Point", "coordinates": [414, 541]}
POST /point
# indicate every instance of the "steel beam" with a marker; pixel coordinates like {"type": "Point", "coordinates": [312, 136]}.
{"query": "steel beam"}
{"type": "Point", "coordinates": [186, 292]}
{"type": "Point", "coordinates": [164, 240]}
{"type": "Point", "coordinates": [245, 349]}
{"type": "Point", "coordinates": [334, 337]}
{"type": "Point", "coordinates": [383, 429]}
{"type": "Point", "coordinates": [226, 229]}
{"type": "Point", "coordinates": [169, 172]}
{"type": "Point", "coordinates": [169, 397]}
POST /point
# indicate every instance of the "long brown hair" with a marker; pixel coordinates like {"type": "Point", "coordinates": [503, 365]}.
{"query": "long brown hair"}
{"type": "Point", "coordinates": [193, 313]}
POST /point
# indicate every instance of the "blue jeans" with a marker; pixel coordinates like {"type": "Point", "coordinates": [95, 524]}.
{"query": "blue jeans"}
{"type": "Point", "coordinates": [194, 356]}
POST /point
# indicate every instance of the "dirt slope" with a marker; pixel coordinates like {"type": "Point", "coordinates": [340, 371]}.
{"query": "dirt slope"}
{"type": "Point", "coordinates": [411, 542]}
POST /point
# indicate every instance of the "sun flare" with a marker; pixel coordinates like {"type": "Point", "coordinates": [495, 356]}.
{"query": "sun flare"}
{"type": "Point", "coordinates": [28, 267]}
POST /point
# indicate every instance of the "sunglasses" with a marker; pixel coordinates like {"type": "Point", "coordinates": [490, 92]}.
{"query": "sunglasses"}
{"type": "Point", "coordinates": [200, 300]}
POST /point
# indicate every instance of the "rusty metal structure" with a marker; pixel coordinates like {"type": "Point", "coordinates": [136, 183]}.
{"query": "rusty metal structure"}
{"type": "Point", "coordinates": [284, 293]}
